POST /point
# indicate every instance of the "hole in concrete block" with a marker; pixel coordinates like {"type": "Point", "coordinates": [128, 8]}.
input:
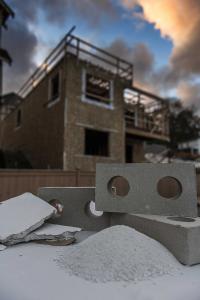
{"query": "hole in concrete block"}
{"type": "Point", "coordinates": [181, 219]}
{"type": "Point", "coordinates": [59, 207]}
{"type": "Point", "coordinates": [91, 210]}
{"type": "Point", "coordinates": [118, 186]}
{"type": "Point", "coordinates": [169, 187]}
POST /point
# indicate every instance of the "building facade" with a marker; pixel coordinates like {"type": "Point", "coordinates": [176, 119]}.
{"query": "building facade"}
{"type": "Point", "coordinates": [80, 108]}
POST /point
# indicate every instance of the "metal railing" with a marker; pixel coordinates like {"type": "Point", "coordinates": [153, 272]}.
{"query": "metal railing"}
{"type": "Point", "coordinates": [82, 50]}
{"type": "Point", "coordinates": [148, 125]}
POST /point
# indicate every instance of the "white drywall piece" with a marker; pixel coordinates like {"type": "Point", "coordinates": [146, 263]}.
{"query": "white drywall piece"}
{"type": "Point", "coordinates": [48, 232]}
{"type": "Point", "coordinates": [21, 215]}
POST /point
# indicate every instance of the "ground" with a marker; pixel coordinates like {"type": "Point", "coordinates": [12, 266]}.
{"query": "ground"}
{"type": "Point", "coordinates": [30, 272]}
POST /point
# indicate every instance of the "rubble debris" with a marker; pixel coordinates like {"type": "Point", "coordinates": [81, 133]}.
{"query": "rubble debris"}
{"type": "Point", "coordinates": [21, 215]}
{"type": "Point", "coordinates": [62, 242]}
{"type": "Point", "coordinates": [118, 253]}
{"type": "Point", "coordinates": [49, 232]}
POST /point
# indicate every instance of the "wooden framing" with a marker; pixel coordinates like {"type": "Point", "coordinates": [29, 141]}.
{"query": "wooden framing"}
{"type": "Point", "coordinates": [146, 114]}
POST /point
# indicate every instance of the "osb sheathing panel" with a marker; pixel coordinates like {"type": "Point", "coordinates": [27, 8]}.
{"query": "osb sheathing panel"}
{"type": "Point", "coordinates": [40, 136]}
{"type": "Point", "coordinates": [81, 115]}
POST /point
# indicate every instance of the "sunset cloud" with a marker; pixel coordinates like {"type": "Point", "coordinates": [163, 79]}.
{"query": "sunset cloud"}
{"type": "Point", "coordinates": [189, 94]}
{"type": "Point", "coordinates": [178, 21]}
{"type": "Point", "coordinates": [174, 18]}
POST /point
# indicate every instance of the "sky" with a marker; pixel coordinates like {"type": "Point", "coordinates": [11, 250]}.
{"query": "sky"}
{"type": "Point", "coordinates": [160, 37]}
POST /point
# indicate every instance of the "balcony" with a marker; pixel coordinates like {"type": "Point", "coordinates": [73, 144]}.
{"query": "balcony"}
{"type": "Point", "coordinates": [146, 115]}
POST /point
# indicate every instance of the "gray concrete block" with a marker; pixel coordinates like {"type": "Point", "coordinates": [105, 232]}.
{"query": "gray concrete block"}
{"type": "Point", "coordinates": [76, 207]}
{"type": "Point", "coordinates": [140, 190]}
{"type": "Point", "coordinates": [180, 235]}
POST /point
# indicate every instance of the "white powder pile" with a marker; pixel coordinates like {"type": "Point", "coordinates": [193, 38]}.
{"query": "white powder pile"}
{"type": "Point", "coordinates": [118, 253]}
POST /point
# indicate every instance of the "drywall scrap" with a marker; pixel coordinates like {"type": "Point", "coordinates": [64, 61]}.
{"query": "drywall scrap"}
{"type": "Point", "coordinates": [21, 215]}
{"type": "Point", "coordinates": [22, 219]}
{"type": "Point", "coordinates": [49, 232]}
{"type": "Point", "coordinates": [57, 242]}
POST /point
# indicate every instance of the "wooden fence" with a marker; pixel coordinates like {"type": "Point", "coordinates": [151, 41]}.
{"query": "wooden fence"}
{"type": "Point", "coordinates": [16, 182]}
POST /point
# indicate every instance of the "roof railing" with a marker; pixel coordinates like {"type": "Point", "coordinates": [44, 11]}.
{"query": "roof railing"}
{"type": "Point", "coordinates": [82, 50]}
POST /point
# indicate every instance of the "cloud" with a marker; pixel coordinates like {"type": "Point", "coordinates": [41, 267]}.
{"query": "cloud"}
{"type": "Point", "coordinates": [189, 93]}
{"type": "Point", "coordinates": [171, 17]}
{"type": "Point", "coordinates": [141, 57]}
{"type": "Point", "coordinates": [21, 41]}
{"type": "Point", "coordinates": [21, 44]}
{"type": "Point", "coordinates": [57, 11]}
{"type": "Point", "coordinates": [120, 48]}
{"type": "Point", "coordinates": [178, 21]}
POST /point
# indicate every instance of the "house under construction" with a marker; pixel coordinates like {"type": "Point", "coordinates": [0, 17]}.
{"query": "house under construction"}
{"type": "Point", "coordinates": [5, 13]}
{"type": "Point", "coordinates": [80, 107]}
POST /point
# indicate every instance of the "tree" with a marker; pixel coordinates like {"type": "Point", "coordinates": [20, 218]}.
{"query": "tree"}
{"type": "Point", "coordinates": [184, 125]}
